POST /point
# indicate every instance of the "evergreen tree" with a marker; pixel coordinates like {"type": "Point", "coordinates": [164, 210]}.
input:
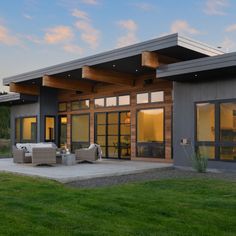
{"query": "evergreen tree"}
{"type": "Point", "coordinates": [4, 122]}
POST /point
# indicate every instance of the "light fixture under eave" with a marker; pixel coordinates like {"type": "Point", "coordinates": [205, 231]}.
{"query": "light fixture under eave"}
{"type": "Point", "coordinates": [113, 65]}
{"type": "Point", "coordinates": [136, 70]}
{"type": "Point", "coordinates": [69, 75]}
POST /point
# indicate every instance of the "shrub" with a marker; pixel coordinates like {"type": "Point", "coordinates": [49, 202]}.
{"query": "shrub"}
{"type": "Point", "coordinates": [199, 162]}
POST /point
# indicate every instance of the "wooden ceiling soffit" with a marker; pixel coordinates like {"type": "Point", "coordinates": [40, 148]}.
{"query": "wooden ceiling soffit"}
{"type": "Point", "coordinates": [107, 76]}
{"type": "Point", "coordinates": [67, 84]}
{"type": "Point", "coordinates": [154, 60]}
{"type": "Point", "coordinates": [24, 89]}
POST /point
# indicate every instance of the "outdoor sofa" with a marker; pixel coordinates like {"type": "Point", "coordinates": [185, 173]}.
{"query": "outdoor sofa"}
{"type": "Point", "coordinates": [35, 153]}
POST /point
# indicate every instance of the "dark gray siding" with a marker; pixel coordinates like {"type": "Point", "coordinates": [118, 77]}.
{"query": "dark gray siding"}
{"type": "Point", "coordinates": [185, 94]}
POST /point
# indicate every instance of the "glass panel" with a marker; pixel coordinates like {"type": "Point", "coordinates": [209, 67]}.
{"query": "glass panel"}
{"type": "Point", "coordinates": [142, 98]}
{"type": "Point", "coordinates": [157, 96]}
{"type": "Point", "coordinates": [80, 128]}
{"type": "Point", "coordinates": [150, 127]}
{"type": "Point", "coordinates": [29, 129]}
{"type": "Point", "coordinates": [63, 132]}
{"type": "Point", "coordinates": [113, 141]}
{"type": "Point", "coordinates": [101, 140]}
{"type": "Point", "coordinates": [124, 100]}
{"type": "Point", "coordinates": [103, 151]}
{"type": "Point", "coordinates": [228, 153]}
{"type": "Point", "coordinates": [125, 117]}
{"type": "Point", "coordinates": [124, 140]}
{"type": "Point", "coordinates": [99, 102]}
{"type": "Point", "coordinates": [101, 130]}
{"type": "Point", "coordinates": [125, 129]}
{"type": "Point", "coordinates": [101, 118]}
{"type": "Point", "coordinates": [112, 101]}
{"type": "Point", "coordinates": [125, 152]}
{"type": "Point", "coordinates": [113, 152]}
{"type": "Point", "coordinates": [113, 118]}
{"type": "Point", "coordinates": [62, 106]}
{"type": "Point", "coordinates": [112, 129]}
{"type": "Point", "coordinates": [228, 122]}
{"type": "Point", "coordinates": [205, 122]}
{"type": "Point", "coordinates": [207, 151]}
{"type": "Point", "coordinates": [17, 130]}
{"type": "Point", "coordinates": [77, 105]}
{"type": "Point", "coordinates": [49, 128]}
{"type": "Point", "coordinates": [151, 150]}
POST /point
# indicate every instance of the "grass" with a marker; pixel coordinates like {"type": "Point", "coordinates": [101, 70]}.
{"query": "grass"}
{"type": "Point", "coordinates": [30, 206]}
{"type": "Point", "coordinates": [5, 152]}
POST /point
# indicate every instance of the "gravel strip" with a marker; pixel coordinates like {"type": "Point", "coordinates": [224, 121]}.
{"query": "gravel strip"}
{"type": "Point", "coordinates": [150, 175]}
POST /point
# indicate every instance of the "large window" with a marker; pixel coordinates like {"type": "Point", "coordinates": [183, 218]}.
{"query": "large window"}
{"type": "Point", "coordinates": [216, 130]}
{"type": "Point", "coordinates": [62, 132]}
{"type": "Point", "coordinates": [150, 133]}
{"type": "Point", "coordinates": [79, 105]}
{"type": "Point", "coordinates": [80, 131]}
{"type": "Point", "coordinates": [151, 97]}
{"type": "Point", "coordinates": [26, 129]}
{"type": "Point", "coordinates": [49, 129]}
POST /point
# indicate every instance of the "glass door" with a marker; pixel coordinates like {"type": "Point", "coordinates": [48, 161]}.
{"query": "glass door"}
{"type": "Point", "coordinates": [112, 132]}
{"type": "Point", "coordinates": [63, 132]}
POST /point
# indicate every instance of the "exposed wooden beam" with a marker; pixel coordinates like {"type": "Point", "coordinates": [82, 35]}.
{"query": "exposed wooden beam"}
{"type": "Point", "coordinates": [67, 84]}
{"type": "Point", "coordinates": [24, 89]}
{"type": "Point", "coordinates": [154, 60]}
{"type": "Point", "coordinates": [107, 76]}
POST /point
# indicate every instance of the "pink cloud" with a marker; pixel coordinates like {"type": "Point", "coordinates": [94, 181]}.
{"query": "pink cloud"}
{"type": "Point", "coordinates": [72, 48]}
{"type": "Point", "coordinates": [6, 37]}
{"type": "Point", "coordinates": [216, 7]}
{"type": "Point", "coordinates": [181, 26]}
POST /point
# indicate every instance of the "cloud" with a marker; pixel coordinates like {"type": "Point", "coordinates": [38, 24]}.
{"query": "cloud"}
{"type": "Point", "coordinates": [231, 28]}
{"type": "Point", "coordinates": [28, 17]}
{"type": "Point", "coordinates": [181, 26]}
{"type": "Point", "coordinates": [7, 38]}
{"type": "Point", "coordinates": [89, 34]}
{"type": "Point", "coordinates": [143, 6]}
{"type": "Point", "coordinates": [34, 39]}
{"type": "Point", "coordinates": [215, 7]}
{"type": "Point", "coordinates": [130, 37]}
{"type": "Point", "coordinates": [80, 14]}
{"type": "Point", "coordinates": [72, 48]}
{"type": "Point", "coordinates": [58, 34]}
{"type": "Point", "coordinates": [228, 44]}
{"type": "Point", "coordinates": [90, 2]}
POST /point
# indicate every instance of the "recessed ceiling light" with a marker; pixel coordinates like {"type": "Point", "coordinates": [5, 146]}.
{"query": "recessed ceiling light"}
{"type": "Point", "coordinates": [113, 65]}
{"type": "Point", "coordinates": [136, 70]}
{"type": "Point", "coordinates": [69, 75]}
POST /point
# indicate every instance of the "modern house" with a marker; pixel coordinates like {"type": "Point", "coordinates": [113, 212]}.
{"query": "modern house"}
{"type": "Point", "coordinates": [153, 101]}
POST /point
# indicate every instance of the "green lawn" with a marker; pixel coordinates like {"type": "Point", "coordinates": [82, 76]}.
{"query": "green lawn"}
{"type": "Point", "coordinates": [167, 207]}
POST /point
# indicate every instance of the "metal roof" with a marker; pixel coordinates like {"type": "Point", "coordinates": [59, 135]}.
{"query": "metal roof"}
{"type": "Point", "coordinates": [224, 61]}
{"type": "Point", "coordinates": [169, 41]}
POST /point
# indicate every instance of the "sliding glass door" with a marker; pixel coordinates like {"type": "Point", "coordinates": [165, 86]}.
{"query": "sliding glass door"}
{"type": "Point", "coordinates": [112, 133]}
{"type": "Point", "coordinates": [62, 131]}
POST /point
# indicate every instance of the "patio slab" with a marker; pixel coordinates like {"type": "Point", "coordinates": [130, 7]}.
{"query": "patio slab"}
{"type": "Point", "coordinates": [66, 174]}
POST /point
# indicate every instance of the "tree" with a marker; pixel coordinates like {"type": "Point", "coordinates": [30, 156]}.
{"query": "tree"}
{"type": "Point", "coordinates": [4, 122]}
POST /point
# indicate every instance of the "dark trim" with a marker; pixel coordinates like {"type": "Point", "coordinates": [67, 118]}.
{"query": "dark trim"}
{"type": "Point", "coordinates": [164, 129]}
{"type": "Point", "coordinates": [45, 117]}
{"type": "Point", "coordinates": [217, 143]}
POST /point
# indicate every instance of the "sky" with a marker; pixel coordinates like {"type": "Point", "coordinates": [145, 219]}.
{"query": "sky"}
{"type": "Point", "coordinates": [39, 33]}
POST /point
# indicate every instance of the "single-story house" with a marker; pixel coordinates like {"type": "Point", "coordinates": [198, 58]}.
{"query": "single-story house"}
{"type": "Point", "coordinates": [157, 101]}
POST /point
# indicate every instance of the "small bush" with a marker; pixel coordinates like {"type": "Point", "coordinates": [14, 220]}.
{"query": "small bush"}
{"type": "Point", "coordinates": [199, 162]}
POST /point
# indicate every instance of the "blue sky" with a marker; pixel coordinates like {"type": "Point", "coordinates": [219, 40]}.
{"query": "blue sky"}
{"type": "Point", "coordinates": [39, 33]}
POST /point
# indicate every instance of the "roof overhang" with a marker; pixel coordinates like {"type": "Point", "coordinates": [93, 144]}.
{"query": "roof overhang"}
{"type": "Point", "coordinates": [217, 66]}
{"type": "Point", "coordinates": [16, 98]}
{"type": "Point", "coordinates": [172, 45]}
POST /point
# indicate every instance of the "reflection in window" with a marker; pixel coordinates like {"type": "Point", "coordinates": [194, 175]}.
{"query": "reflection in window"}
{"type": "Point", "coordinates": [99, 102]}
{"type": "Point", "coordinates": [29, 129]}
{"type": "Point", "coordinates": [157, 96]}
{"type": "Point", "coordinates": [111, 101]}
{"type": "Point", "coordinates": [228, 153]}
{"type": "Point", "coordinates": [124, 100]}
{"type": "Point", "coordinates": [81, 104]}
{"type": "Point", "coordinates": [205, 122]}
{"type": "Point", "coordinates": [49, 129]}
{"type": "Point", "coordinates": [207, 151]}
{"type": "Point", "coordinates": [142, 98]}
{"type": "Point", "coordinates": [150, 133]}
{"type": "Point", "coordinates": [62, 106]}
{"type": "Point", "coordinates": [228, 122]}
{"type": "Point", "coordinates": [80, 131]}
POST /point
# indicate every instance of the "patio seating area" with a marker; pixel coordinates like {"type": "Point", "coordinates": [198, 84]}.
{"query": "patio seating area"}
{"type": "Point", "coordinates": [66, 174]}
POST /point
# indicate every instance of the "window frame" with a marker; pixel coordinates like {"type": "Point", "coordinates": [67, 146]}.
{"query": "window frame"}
{"type": "Point", "coordinates": [149, 93]}
{"type": "Point", "coordinates": [59, 107]}
{"type": "Point", "coordinates": [164, 133]}
{"type": "Point", "coordinates": [80, 100]}
{"type": "Point", "coordinates": [217, 143]}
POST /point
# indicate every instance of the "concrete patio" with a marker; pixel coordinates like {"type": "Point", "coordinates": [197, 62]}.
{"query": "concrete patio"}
{"type": "Point", "coordinates": [66, 174]}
